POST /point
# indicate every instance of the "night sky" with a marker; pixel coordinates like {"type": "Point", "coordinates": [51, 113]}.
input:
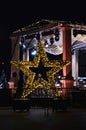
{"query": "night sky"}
{"type": "Point", "coordinates": [15, 15]}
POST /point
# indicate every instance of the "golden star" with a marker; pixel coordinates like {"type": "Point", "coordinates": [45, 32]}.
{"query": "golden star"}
{"type": "Point", "coordinates": [31, 83]}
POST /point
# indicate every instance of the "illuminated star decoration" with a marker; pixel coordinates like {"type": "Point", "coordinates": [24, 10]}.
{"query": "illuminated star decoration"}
{"type": "Point", "coordinates": [31, 82]}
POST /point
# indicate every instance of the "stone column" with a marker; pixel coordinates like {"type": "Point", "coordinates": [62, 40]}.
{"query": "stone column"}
{"type": "Point", "coordinates": [75, 66]}
{"type": "Point", "coordinates": [67, 55]}
{"type": "Point", "coordinates": [27, 54]}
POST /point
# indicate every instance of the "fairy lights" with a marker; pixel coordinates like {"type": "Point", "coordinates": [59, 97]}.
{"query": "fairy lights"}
{"type": "Point", "coordinates": [31, 82]}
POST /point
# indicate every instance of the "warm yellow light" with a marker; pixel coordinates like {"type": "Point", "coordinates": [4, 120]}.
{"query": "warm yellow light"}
{"type": "Point", "coordinates": [31, 83]}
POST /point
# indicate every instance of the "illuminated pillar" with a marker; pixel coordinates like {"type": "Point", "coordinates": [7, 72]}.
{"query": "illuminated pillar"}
{"type": "Point", "coordinates": [75, 66]}
{"type": "Point", "coordinates": [67, 55]}
{"type": "Point", "coordinates": [27, 54]}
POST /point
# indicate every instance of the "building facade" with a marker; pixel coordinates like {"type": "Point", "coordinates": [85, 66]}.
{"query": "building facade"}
{"type": "Point", "coordinates": [58, 37]}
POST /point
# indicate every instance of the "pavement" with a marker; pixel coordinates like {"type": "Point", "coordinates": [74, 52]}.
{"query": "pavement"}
{"type": "Point", "coordinates": [42, 119]}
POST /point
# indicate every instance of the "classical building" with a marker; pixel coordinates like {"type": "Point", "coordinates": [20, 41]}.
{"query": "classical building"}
{"type": "Point", "coordinates": [59, 38]}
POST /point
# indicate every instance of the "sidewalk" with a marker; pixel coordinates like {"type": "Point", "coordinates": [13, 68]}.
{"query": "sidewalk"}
{"type": "Point", "coordinates": [38, 119]}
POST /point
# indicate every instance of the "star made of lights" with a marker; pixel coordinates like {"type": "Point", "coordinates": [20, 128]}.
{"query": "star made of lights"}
{"type": "Point", "coordinates": [31, 82]}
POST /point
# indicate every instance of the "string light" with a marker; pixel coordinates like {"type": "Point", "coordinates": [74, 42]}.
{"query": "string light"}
{"type": "Point", "coordinates": [31, 83]}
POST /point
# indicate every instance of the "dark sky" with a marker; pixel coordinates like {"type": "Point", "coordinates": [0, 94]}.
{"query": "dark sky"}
{"type": "Point", "coordinates": [17, 14]}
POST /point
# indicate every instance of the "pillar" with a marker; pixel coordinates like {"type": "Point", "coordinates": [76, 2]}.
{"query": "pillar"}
{"type": "Point", "coordinates": [67, 55]}
{"type": "Point", "coordinates": [27, 54]}
{"type": "Point", "coordinates": [75, 66]}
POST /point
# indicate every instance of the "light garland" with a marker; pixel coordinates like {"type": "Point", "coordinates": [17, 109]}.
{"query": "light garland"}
{"type": "Point", "coordinates": [31, 83]}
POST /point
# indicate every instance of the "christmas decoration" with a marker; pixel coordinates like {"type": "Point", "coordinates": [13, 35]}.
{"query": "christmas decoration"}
{"type": "Point", "coordinates": [31, 82]}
